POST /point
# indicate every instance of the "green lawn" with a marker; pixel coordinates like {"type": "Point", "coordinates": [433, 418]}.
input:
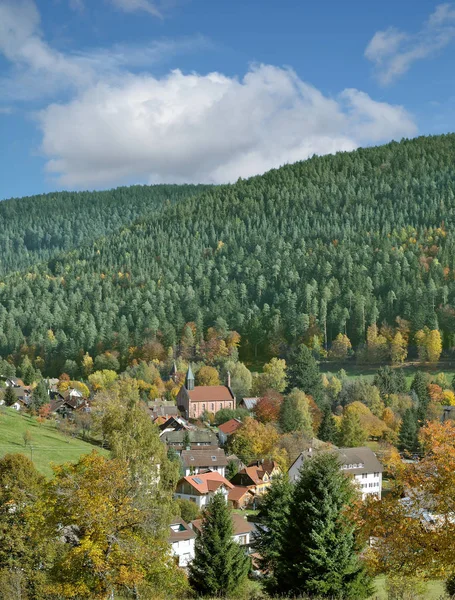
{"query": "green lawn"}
{"type": "Point", "coordinates": [434, 590]}
{"type": "Point", "coordinates": [47, 444]}
{"type": "Point", "coordinates": [368, 372]}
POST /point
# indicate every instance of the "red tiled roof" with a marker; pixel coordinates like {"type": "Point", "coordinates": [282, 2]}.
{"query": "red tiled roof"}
{"type": "Point", "coordinates": [238, 492]}
{"type": "Point", "coordinates": [207, 482]}
{"type": "Point", "coordinates": [210, 393]}
{"type": "Point", "coordinates": [230, 426]}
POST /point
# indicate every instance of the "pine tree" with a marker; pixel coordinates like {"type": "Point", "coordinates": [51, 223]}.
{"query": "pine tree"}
{"type": "Point", "coordinates": [320, 551]}
{"type": "Point", "coordinates": [39, 395]}
{"type": "Point", "coordinates": [327, 429]}
{"type": "Point", "coordinates": [271, 527]}
{"type": "Point", "coordinates": [303, 373]}
{"type": "Point", "coordinates": [9, 397]}
{"type": "Point", "coordinates": [352, 433]}
{"type": "Point", "coordinates": [419, 387]}
{"type": "Point", "coordinates": [220, 565]}
{"type": "Point", "coordinates": [408, 437]}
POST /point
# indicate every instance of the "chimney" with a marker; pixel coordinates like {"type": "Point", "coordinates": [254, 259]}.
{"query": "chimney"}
{"type": "Point", "coordinates": [229, 379]}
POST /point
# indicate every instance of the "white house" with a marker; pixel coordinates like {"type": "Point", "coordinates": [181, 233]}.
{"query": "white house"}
{"type": "Point", "coordinates": [359, 463]}
{"type": "Point", "coordinates": [203, 459]}
{"type": "Point", "coordinates": [182, 538]}
{"type": "Point", "coordinates": [200, 488]}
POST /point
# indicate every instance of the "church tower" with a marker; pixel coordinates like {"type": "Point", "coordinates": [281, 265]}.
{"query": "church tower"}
{"type": "Point", "coordinates": [189, 382]}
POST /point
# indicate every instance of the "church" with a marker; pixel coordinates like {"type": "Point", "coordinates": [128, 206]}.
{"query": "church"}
{"type": "Point", "coordinates": [193, 400]}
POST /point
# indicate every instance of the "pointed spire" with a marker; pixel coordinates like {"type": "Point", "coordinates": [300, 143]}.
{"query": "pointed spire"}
{"type": "Point", "coordinates": [173, 373]}
{"type": "Point", "coordinates": [189, 383]}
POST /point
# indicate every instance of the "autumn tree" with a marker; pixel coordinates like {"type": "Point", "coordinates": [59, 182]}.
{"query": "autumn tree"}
{"type": "Point", "coordinates": [254, 440]}
{"type": "Point", "coordinates": [341, 348]}
{"type": "Point", "coordinates": [273, 377]}
{"type": "Point", "coordinates": [406, 542]}
{"type": "Point", "coordinates": [352, 434]}
{"type": "Point", "coordinates": [112, 538]}
{"type": "Point", "coordinates": [267, 409]}
{"type": "Point", "coordinates": [295, 414]}
{"type": "Point", "coordinates": [398, 349]}
{"type": "Point", "coordinates": [207, 376]}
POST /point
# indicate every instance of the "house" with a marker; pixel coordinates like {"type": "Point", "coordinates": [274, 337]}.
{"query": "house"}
{"type": "Point", "coordinates": [204, 459]}
{"type": "Point", "coordinates": [71, 402]}
{"type": "Point", "coordinates": [193, 400]}
{"type": "Point", "coordinates": [241, 496]}
{"type": "Point", "coordinates": [359, 463]}
{"type": "Point", "coordinates": [175, 423]}
{"type": "Point", "coordinates": [257, 476]}
{"type": "Point", "coordinates": [200, 488]}
{"type": "Point", "coordinates": [249, 403]}
{"type": "Point", "coordinates": [14, 382]}
{"type": "Point", "coordinates": [448, 412]}
{"type": "Point", "coordinates": [160, 408]}
{"type": "Point", "coordinates": [23, 397]}
{"type": "Point", "coordinates": [242, 533]}
{"type": "Point", "coordinates": [197, 438]}
{"type": "Point", "coordinates": [181, 538]}
{"type": "Point", "coordinates": [228, 428]}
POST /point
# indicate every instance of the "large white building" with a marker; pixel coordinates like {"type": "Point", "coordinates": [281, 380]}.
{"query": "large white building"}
{"type": "Point", "coordinates": [360, 463]}
{"type": "Point", "coordinates": [182, 539]}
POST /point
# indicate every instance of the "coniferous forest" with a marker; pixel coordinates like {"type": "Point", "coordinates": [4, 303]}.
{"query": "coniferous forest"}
{"type": "Point", "coordinates": [332, 245]}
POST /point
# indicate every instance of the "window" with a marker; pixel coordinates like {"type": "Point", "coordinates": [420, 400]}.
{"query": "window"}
{"type": "Point", "coordinates": [213, 406]}
{"type": "Point", "coordinates": [376, 474]}
{"type": "Point", "coordinates": [364, 475]}
{"type": "Point", "coordinates": [242, 540]}
{"type": "Point", "coordinates": [203, 407]}
{"type": "Point", "coordinates": [221, 405]}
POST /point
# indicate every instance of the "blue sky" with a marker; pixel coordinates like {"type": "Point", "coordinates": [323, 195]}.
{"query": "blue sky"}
{"type": "Point", "coordinates": [99, 93]}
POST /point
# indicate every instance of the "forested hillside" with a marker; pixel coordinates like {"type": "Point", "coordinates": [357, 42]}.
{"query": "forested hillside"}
{"type": "Point", "coordinates": [35, 228]}
{"type": "Point", "coordinates": [326, 246]}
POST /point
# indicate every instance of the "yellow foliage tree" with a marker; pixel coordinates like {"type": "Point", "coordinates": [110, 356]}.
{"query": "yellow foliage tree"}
{"type": "Point", "coordinates": [398, 348]}
{"type": "Point", "coordinates": [254, 441]}
{"type": "Point", "coordinates": [207, 376]}
{"type": "Point", "coordinates": [341, 346]}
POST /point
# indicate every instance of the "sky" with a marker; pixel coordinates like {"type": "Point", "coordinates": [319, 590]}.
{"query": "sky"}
{"type": "Point", "coordinates": [100, 93]}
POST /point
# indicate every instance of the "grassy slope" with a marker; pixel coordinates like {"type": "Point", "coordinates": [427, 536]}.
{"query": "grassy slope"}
{"type": "Point", "coordinates": [49, 446]}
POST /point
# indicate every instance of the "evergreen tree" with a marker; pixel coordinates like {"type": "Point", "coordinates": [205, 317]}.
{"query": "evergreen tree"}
{"type": "Point", "coordinates": [10, 397]}
{"type": "Point", "coordinates": [419, 387]}
{"type": "Point", "coordinates": [271, 528]}
{"type": "Point", "coordinates": [352, 433]}
{"type": "Point", "coordinates": [320, 550]}
{"type": "Point", "coordinates": [327, 429]}
{"type": "Point", "coordinates": [408, 438]}
{"type": "Point", "coordinates": [39, 395]}
{"type": "Point", "coordinates": [303, 373]}
{"type": "Point", "coordinates": [220, 565]}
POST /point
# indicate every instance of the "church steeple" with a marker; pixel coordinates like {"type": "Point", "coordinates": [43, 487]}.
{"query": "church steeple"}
{"type": "Point", "coordinates": [189, 382]}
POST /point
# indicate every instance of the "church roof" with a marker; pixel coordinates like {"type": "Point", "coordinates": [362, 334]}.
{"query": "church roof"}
{"type": "Point", "coordinates": [210, 393]}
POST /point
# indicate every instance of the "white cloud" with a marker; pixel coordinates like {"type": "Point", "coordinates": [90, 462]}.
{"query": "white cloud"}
{"type": "Point", "coordinates": [393, 51]}
{"type": "Point", "coordinates": [118, 126]}
{"type": "Point", "coordinates": [39, 70]}
{"type": "Point", "coordinates": [206, 128]}
{"type": "Point", "coordinates": [138, 5]}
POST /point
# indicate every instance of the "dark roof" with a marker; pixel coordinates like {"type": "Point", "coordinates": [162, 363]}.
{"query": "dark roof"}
{"type": "Point", "coordinates": [204, 457]}
{"type": "Point", "coordinates": [230, 426]}
{"type": "Point", "coordinates": [180, 530]}
{"type": "Point", "coordinates": [210, 393]}
{"type": "Point", "coordinates": [359, 456]}
{"type": "Point", "coordinates": [196, 436]}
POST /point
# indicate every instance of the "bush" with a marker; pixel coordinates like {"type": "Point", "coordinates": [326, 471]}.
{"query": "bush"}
{"type": "Point", "coordinates": [188, 510]}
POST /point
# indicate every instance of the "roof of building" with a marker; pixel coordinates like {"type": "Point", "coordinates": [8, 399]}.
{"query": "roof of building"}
{"type": "Point", "coordinates": [359, 460]}
{"type": "Point", "coordinates": [240, 524]}
{"type": "Point", "coordinates": [238, 492]}
{"type": "Point", "coordinates": [204, 457]}
{"type": "Point", "coordinates": [204, 483]}
{"type": "Point", "coordinates": [250, 403]}
{"type": "Point", "coordinates": [210, 393]}
{"type": "Point", "coordinates": [363, 458]}
{"type": "Point", "coordinates": [230, 426]}
{"type": "Point", "coordinates": [16, 380]}
{"type": "Point", "coordinates": [196, 436]}
{"type": "Point", "coordinates": [180, 531]}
